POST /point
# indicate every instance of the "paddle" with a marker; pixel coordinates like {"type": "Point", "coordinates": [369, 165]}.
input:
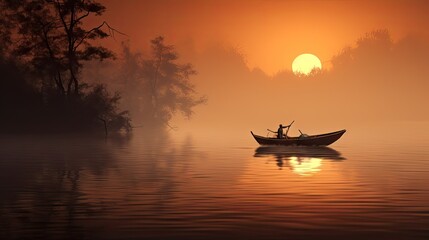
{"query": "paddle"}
{"type": "Point", "coordinates": [303, 135]}
{"type": "Point", "coordinates": [270, 131]}
{"type": "Point", "coordinates": [289, 127]}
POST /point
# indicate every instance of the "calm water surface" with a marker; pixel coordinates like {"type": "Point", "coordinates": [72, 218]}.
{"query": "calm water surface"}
{"type": "Point", "coordinates": [185, 188]}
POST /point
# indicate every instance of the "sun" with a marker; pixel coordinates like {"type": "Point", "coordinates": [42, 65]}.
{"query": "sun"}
{"type": "Point", "coordinates": [305, 63]}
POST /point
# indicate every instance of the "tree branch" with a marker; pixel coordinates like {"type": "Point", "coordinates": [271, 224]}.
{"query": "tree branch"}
{"type": "Point", "coordinates": [82, 17]}
{"type": "Point", "coordinates": [63, 21]}
{"type": "Point", "coordinates": [171, 128]}
{"type": "Point", "coordinates": [87, 33]}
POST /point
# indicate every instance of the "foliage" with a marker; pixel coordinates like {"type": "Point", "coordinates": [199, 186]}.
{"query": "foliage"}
{"type": "Point", "coordinates": [18, 99]}
{"type": "Point", "coordinates": [374, 48]}
{"type": "Point", "coordinates": [159, 84]}
{"type": "Point", "coordinates": [43, 44]}
{"type": "Point", "coordinates": [49, 35]}
{"type": "Point", "coordinates": [104, 106]}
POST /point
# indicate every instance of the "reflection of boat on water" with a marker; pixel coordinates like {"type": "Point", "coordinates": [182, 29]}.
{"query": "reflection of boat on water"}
{"type": "Point", "coordinates": [296, 151]}
{"type": "Point", "coordinates": [303, 140]}
{"type": "Point", "coordinates": [301, 160]}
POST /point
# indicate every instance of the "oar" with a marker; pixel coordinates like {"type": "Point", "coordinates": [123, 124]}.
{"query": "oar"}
{"type": "Point", "coordinates": [270, 131]}
{"type": "Point", "coordinates": [289, 127]}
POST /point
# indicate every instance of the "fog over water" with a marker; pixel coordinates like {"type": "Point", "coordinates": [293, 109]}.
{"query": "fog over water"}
{"type": "Point", "coordinates": [185, 186]}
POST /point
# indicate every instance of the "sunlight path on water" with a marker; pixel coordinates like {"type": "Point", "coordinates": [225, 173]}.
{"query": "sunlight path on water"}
{"type": "Point", "coordinates": [191, 188]}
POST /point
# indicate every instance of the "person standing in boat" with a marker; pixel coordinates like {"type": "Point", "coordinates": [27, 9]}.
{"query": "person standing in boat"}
{"type": "Point", "coordinates": [280, 131]}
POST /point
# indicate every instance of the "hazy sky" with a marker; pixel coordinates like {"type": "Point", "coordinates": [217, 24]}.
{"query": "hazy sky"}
{"type": "Point", "coordinates": [270, 33]}
{"type": "Point", "coordinates": [243, 51]}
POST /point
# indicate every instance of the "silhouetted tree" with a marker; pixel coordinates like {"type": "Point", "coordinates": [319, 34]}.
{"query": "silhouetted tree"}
{"type": "Point", "coordinates": [382, 77]}
{"type": "Point", "coordinates": [130, 82]}
{"type": "Point", "coordinates": [374, 48]}
{"type": "Point", "coordinates": [169, 86]}
{"type": "Point", "coordinates": [5, 31]}
{"type": "Point", "coordinates": [163, 85]}
{"type": "Point", "coordinates": [49, 39]}
{"type": "Point", "coordinates": [105, 107]}
{"type": "Point", "coordinates": [18, 98]}
{"type": "Point", "coordinates": [377, 41]}
{"type": "Point", "coordinates": [50, 35]}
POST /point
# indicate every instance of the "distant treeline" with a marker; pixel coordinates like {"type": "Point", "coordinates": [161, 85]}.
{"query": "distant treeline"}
{"type": "Point", "coordinates": [43, 48]}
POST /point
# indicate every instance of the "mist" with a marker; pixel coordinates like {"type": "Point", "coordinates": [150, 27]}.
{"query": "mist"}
{"type": "Point", "coordinates": [374, 80]}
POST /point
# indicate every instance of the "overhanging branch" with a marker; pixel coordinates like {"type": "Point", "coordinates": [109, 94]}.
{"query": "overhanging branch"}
{"type": "Point", "coordinates": [87, 33]}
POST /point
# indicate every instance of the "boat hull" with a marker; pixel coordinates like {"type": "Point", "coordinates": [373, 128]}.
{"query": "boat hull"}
{"type": "Point", "coordinates": [313, 140]}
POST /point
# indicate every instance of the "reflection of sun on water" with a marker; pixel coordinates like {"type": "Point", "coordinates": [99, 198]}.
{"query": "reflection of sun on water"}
{"type": "Point", "coordinates": [305, 166]}
{"type": "Point", "coordinates": [291, 174]}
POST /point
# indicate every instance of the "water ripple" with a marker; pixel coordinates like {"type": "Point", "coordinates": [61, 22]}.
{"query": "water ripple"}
{"type": "Point", "coordinates": [55, 188]}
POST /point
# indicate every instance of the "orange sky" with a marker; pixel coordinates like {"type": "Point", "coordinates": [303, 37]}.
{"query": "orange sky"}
{"type": "Point", "coordinates": [269, 33]}
{"type": "Point", "coordinates": [230, 42]}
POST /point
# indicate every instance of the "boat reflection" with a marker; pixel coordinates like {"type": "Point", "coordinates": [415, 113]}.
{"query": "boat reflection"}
{"type": "Point", "coordinates": [304, 161]}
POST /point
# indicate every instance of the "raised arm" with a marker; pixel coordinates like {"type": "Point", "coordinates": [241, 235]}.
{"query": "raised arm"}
{"type": "Point", "coordinates": [289, 124]}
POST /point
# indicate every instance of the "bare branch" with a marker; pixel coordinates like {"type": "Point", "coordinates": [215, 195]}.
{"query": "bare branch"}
{"type": "Point", "coordinates": [82, 17]}
{"type": "Point", "coordinates": [104, 23]}
{"type": "Point", "coordinates": [174, 128]}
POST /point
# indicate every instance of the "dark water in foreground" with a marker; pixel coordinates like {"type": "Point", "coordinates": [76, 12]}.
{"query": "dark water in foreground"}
{"type": "Point", "coordinates": [157, 188]}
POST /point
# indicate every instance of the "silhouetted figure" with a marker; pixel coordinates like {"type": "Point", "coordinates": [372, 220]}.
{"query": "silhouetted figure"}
{"type": "Point", "coordinates": [280, 131]}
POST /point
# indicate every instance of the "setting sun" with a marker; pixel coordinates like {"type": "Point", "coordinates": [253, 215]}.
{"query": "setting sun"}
{"type": "Point", "coordinates": [305, 63]}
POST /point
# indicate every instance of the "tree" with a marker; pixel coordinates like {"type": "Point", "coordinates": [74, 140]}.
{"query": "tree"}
{"type": "Point", "coordinates": [50, 35]}
{"type": "Point", "coordinates": [5, 31]}
{"type": "Point", "coordinates": [163, 85]}
{"type": "Point", "coordinates": [170, 89]}
{"type": "Point", "coordinates": [374, 47]}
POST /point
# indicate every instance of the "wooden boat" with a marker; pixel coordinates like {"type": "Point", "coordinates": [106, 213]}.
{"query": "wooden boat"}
{"type": "Point", "coordinates": [303, 140]}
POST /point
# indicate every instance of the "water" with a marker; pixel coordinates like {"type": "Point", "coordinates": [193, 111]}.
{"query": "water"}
{"type": "Point", "coordinates": [54, 187]}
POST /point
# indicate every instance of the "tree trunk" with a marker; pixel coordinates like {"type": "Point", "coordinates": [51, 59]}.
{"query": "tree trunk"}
{"type": "Point", "coordinates": [59, 83]}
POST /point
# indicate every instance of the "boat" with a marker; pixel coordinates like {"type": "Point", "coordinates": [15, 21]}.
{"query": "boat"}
{"type": "Point", "coordinates": [303, 140]}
